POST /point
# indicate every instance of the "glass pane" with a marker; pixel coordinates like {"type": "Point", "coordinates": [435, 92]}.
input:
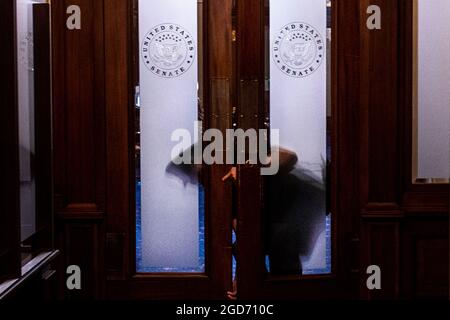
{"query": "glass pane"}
{"type": "Point", "coordinates": [298, 222]}
{"type": "Point", "coordinates": [170, 199]}
{"type": "Point", "coordinates": [26, 101]}
{"type": "Point", "coordinates": [432, 91]}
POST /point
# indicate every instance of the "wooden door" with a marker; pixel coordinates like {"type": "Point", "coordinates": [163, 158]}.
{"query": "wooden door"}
{"type": "Point", "coordinates": [257, 216]}
{"type": "Point", "coordinates": [376, 207]}
{"type": "Point", "coordinates": [215, 72]}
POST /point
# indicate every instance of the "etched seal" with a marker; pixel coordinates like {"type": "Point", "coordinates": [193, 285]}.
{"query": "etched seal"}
{"type": "Point", "coordinates": [168, 50]}
{"type": "Point", "coordinates": [298, 49]}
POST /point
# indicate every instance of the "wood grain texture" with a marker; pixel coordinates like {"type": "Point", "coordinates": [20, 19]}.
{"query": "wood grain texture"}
{"type": "Point", "coordinates": [391, 205]}
{"type": "Point", "coordinates": [79, 157]}
{"type": "Point", "coordinates": [43, 238]}
{"type": "Point", "coordinates": [123, 282]}
{"type": "Point", "coordinates": [79, 108]}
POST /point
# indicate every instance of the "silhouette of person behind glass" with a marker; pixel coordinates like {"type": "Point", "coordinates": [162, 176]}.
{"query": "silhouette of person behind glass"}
{"type": "Point", "coordinates": [295, 207]}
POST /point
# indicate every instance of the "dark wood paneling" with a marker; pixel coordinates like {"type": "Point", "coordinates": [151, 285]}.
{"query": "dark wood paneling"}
{"type": "Point", "coordinates": [79, 158]}
{"type": "Point", "coordinates": [123, 282]}
{"type": "Point", "coordinates": [114, 255]}
{"type": "Point", "coordinates": [431, 277]}
{"type": "Point", "coordinates": [9, 149]}
{"type": "Point", "coordinates": [379, 95]}
{"type": "Point", "coordinates": [424, 258]}
{"type": "Point", "coordinates": [43, 127]}
{"type": "Point", "coordinates": [381, 242]}
{"type": "Point", "coordinates": [345, 167]}
{"type": "Point", "coordinates": [380, 217]}
{"type": "Point", "coordinates": [401, 221]}
{"type": "Point", "coordinates": [79, 108]}
{"type": "Point", "coordinates": [119, 139]}
{"type": "Point", "coordinates": [80, 241]}
{"type": "Point", "coordinates": [218, 51]}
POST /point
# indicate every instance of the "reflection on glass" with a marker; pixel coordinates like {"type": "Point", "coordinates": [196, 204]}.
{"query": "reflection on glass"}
{"type": "Point", "coordinates": [432, 91]}
{"type": "Point", "coordinates": [170, 199]}
{"type": "Point", "coordinates": [25, 74]}
{"type": "Point", "coordinates": [298, 223]}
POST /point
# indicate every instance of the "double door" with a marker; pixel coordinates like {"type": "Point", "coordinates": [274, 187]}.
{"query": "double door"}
{"type": "Point", "coordinates": [235, 145]}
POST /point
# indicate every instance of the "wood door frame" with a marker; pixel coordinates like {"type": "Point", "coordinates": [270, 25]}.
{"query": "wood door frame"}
{"type": "Point", "coordinates": [123, 281]}
{"type": "Point", "coordinates": [341, 283]}
{"type": "Point", "coordinates": [425, 207]}
{"type": "Point", "coordinates": [373, 194]}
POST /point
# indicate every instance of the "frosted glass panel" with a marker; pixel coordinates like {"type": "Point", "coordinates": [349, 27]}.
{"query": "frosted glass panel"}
{"type": "Point", "coordinates": [169, 204]}
{"type": "Point", "coordinates": [433, 94]}
{"type": "Point", "coordinates": [298, 227]}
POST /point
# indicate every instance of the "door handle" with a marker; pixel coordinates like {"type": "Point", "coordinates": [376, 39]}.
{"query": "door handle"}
{"type": "Point", "coordinates": [232, 174]}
